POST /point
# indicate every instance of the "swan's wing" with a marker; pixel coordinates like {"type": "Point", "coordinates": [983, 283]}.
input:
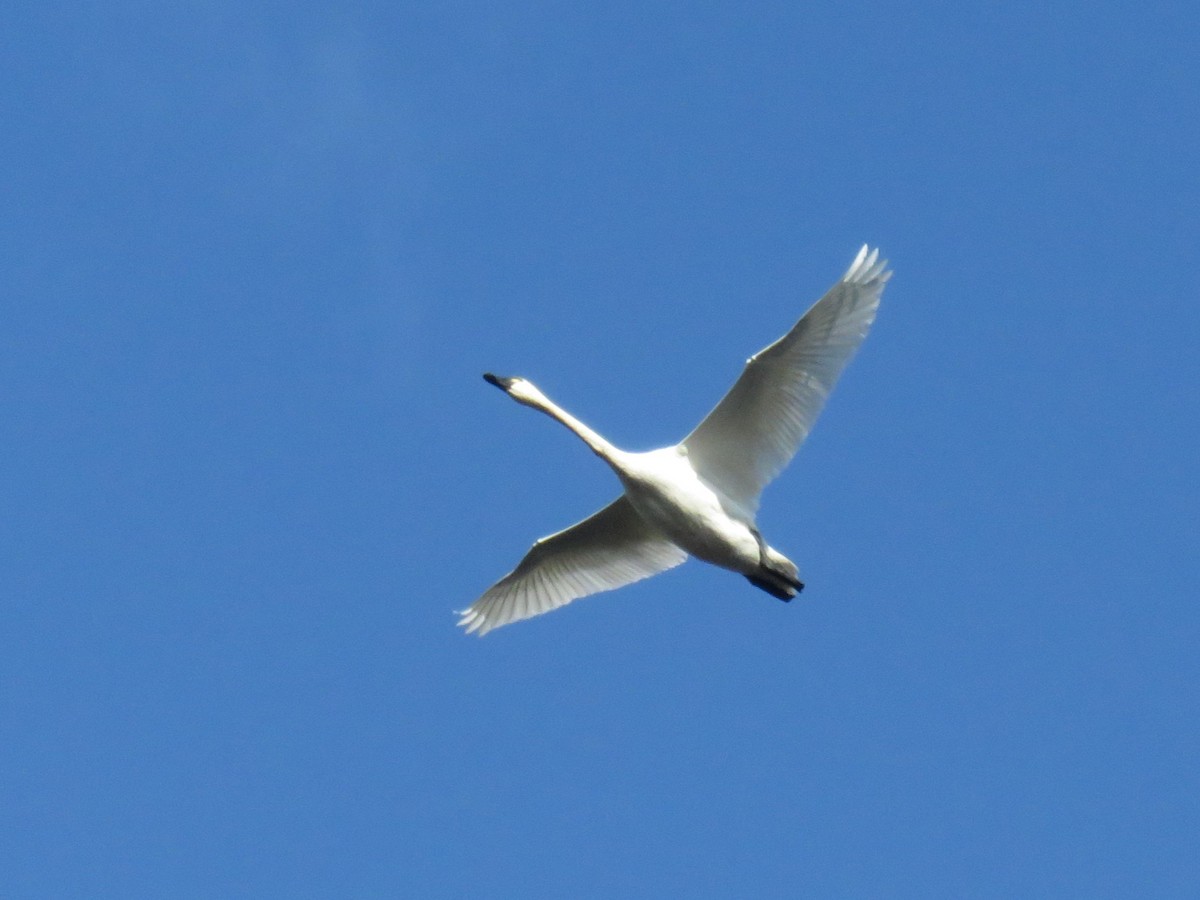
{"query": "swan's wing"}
{"type": "Point", "coordinates": [610, 549]}
{"type": "Point", "coordinates": [757, 427]}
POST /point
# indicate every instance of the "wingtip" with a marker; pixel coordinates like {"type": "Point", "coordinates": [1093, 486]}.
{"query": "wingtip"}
{"type": "Point", "coordinates": [867, 267]}
{"type": "Point", "coordinates": [473, 622]}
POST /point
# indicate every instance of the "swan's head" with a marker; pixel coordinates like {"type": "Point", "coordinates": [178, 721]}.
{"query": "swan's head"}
{"type": "Point", "coordinates": [518, 388]}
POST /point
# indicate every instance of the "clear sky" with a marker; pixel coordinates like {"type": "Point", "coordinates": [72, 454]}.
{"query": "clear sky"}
{"type": "Point", "coordinates": [254, 258]}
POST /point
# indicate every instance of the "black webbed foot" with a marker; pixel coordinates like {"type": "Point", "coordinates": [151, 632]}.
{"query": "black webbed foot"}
{"type": "Point", "coordinates": [775, 589]}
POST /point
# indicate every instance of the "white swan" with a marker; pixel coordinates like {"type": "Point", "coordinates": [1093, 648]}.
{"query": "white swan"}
{"type": "Point", "coordinates": [700, 496]}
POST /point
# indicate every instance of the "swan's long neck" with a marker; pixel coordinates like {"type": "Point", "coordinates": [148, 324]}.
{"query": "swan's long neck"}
{"type": "Point", "coordinates": [525, 393]}
{"type": "Point", "coordinates": [602, 448]}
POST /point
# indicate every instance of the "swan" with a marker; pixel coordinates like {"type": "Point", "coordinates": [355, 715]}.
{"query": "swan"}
{"type": "Point", "coordinates": [700, 497]}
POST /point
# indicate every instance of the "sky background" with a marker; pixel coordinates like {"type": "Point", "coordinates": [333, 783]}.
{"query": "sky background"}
{"type": "Point", "coordinates": [253, 260]}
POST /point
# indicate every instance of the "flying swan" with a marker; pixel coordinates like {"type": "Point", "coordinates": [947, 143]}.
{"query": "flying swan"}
{"type": "Point", "coordinates": [700, 496]}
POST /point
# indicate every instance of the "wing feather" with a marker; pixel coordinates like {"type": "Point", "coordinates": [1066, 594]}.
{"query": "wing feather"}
{"type": "Point", "coordinates": [607, 550]}
{"type": "Point", "coordinates": [755, 430]}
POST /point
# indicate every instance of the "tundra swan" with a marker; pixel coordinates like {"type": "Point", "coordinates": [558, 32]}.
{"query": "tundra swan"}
{"type": "Point", "coordinates": [700, 496]}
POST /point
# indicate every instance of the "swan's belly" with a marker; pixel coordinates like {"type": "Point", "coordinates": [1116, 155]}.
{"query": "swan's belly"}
{"type": "Point", "coordinates": [691, 514]}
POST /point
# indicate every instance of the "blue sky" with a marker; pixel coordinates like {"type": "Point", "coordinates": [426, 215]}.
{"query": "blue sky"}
{"type": "Point", "coordinates": [255, 258]}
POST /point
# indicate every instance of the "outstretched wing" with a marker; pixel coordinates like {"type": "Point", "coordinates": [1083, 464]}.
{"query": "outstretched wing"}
{"type": "Point", "coordinates": [757, 427]}
{"type": "Point", "coordinates": [610, 549]}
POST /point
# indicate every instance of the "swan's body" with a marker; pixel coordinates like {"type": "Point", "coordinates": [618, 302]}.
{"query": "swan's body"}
{"type": "Point", "coordinates": [700, 496]}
